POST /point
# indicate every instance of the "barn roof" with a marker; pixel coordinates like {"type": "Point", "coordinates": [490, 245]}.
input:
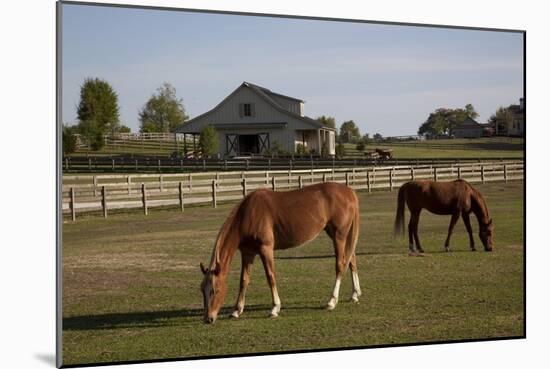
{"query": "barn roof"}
{"type": "Point", "coordinates": [468, 123]}
{"type": "Point", "coordinates": [267, 95]}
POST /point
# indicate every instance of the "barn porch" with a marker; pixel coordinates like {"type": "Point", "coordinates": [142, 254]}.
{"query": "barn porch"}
{"type": "Point", "coordinates": [314, 140]}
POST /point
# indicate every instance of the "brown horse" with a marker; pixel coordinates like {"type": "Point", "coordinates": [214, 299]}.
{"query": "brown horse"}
{"type": "Point", "coordinates": [266, 221]}
{"type": "Point", "coordinates": [456, 198]}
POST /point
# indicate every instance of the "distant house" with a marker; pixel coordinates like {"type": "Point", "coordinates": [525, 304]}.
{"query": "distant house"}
{"type": "Point", "coordinates": [468, 129]}
{"type": "Point", "coordinates": [516, 126]}
{"type": "Point", "coordinates": [253, 120]}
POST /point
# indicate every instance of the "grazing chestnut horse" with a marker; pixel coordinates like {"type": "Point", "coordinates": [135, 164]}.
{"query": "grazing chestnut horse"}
{"type": "Point", "coordinates": [456, 198]}
{"type": "Point", "coordinates": [266, 221]}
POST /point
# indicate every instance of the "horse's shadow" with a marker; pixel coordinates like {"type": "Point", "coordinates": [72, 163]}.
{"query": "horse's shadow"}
{"type": "Point", "coordinates": [304, 257]}
{"type": "Point", "coordinates": [152, 319]}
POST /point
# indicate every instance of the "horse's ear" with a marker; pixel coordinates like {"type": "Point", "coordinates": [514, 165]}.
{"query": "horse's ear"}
{"type": "Point", "coordinates": [203, 269]}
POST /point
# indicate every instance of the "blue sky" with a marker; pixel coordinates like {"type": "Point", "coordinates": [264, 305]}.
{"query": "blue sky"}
{"type": "Point", "coordinates": [386, 78]}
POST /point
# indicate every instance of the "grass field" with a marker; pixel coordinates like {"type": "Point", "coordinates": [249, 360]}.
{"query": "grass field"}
{"type": "Point", "coordinates": [446, 148]}
{"type": "Point", "coordinates": [131, 286]}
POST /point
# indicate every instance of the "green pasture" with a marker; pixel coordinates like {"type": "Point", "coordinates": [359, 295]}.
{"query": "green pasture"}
{"type": "Point", "coordinates": [449, 148]}
{"type": "Point", "coordinates": [131, 286]}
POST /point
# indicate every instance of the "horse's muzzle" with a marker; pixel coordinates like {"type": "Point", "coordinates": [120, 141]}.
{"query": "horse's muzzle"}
{"type": "Point", "coordinates": [209, 319]}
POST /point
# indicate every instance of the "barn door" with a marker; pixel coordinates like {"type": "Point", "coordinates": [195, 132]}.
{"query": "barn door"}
{"type": "Point", "coordinates": [263, 142]}
{"type": "Point", "coordinates": [232, 144]}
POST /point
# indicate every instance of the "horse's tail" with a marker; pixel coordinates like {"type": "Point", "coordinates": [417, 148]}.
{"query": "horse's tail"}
{"type": "Point", "coordinates": [399, 226]}
{"type": "Point", "coordinates": [353, 235]}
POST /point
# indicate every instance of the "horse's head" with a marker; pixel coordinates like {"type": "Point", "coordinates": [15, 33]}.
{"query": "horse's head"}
{"type": "Point", "coordinates": [213, 289]}
{"type": "Point", "coordinates": [486, 235]}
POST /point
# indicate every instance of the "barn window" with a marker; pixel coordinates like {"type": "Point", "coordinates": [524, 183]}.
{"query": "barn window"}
{"type": "Point", "coordinates": [247, 110]}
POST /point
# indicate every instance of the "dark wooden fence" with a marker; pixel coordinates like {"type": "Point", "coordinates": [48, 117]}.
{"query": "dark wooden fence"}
{"type": "Point", "coordinates": [163, 164]}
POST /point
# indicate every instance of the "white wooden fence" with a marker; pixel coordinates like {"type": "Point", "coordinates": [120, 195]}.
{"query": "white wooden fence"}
{"type": "Point", "coordinates": [102, 193]}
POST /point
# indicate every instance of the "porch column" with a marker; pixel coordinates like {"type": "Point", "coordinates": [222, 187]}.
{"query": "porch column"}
{"type": "Point", "coordinates": [319, 144]}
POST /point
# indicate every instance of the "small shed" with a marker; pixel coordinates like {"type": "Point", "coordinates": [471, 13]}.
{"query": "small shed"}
{"type": "Point", "coordinates": [468, 129]}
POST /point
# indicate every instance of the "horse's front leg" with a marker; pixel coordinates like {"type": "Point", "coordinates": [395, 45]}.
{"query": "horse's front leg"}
{"type": "Point", "coordinates": [266, 254]}
{"type": "Point", "coordinates": [247, 260]}
{"type": "Point", "coordinates": [466, 219]}
{"type": "Point", "coordinates": [454, 218]}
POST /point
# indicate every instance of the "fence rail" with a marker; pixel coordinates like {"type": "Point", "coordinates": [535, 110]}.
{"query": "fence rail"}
{"type": "Point", "coordinates": [164, 164]}
{"type": "Point", "coordinates": [102, 193]}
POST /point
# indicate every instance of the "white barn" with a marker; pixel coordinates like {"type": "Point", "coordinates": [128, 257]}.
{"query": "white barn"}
{"type": "Point", "coordinates": [253, 119]}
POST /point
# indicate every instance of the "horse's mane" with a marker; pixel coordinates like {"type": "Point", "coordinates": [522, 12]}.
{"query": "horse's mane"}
{"type": "Point", "coordinates": [480, 201]}
{"type": "Point", "coordinates": [222, 235]}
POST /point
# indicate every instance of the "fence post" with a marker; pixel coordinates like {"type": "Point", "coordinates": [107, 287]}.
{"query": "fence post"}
{"type": "Point", "coordinates": [412, 173]}
{"type": "Point", "coordinates": [190, 182]}
{"type": "Point", "coordinates": [247, 165]}
{"type": "Point", "coordinates": [273, 185]}
{"type": "Point", "coordinates": [300, 181]}
{"type": "Point", "coordinates": [181, 195]}
{"type": "Point", "coordinates": [289, 173]}
{"type": "Point", "coordinates": [391, 179]}
{"type": "Point", "coordinates": [89, 164]}
{"type": "Point", "coordinates": [459, 172]}
{"type": "Point", "coordinates": [214, 198]}
{"type": "Point", "coordinates": [324, 177]}
{"type": "Point", "coordinates": [181, 164]}
{"type": "Point", "coordinates": [435, 174]}
{"type": "Point", "coordinates": [266, 177]}
{"type": "Point", "coordinates": [72, 205]}
{"type": "Point", "coordinates": [136, 164]}
{"type": "Point", "coordinates": [94, 181]}
{"type": "Point", "coordinates": [311, 176]}
{"type": "Point", "coordinates": [269, 163]}
{"type": "Point", "coordinates": [161, 183]}
{"type": "Point", "coordinates": [505, 174]}
{"type": "Point", "coordinates": [144, 198]}
{"type": "Point", "coordinates": [225, 164]}
{"type": "Point", "coordinates": [129, 179]}
{"type": "Point", "coordinates": [104, 201]}
{"type": "Point", "coordinates": [368, 181]}
{"type": "Point", "coordinates": [244, 186]}
{"type": "Point", "coordinates": [482, 174]}
{"type": "Point", "coordinates": [204, 164]}
{"type": "Point", "coordinates": [347, 178]}
{"type": "Point", "coordinates": [66, 163]}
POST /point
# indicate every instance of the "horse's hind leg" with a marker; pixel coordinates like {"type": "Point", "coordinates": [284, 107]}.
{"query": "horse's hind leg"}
{"type": "Point", "coordinates": [415, 217]}
{"type": "Point", "coordinates": [339, 242]}
{"type": "Point", "coordinates": [354, 279]}
{"type": "Point", "coordinates": [266, 254]}
{"type": "Point", "coordinates": [247, 260]}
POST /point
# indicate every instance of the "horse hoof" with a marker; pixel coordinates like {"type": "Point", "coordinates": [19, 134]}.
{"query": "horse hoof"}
{"type": "Point", "coordinates": [273, 315]}
{"type": "Point", "coordinates": [473, 249]}
{"type": "Point", "coordinates": [235, 314]}
{"type": "Point", "coordinates": [354, 299]}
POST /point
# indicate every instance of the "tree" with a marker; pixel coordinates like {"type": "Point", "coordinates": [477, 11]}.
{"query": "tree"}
{"type": "Point", "coordinates": [377, 137]}
{"type": "Point", "coordinates": [326, 121]}
{"type": "Point", "coordinates": [208, 141]}
{"type": "Point", "coordinates": [68, 139]}
{"type": "Point", "coordinates": [360, 146]}
{"type": "Point", "coordinates": [98, 111]}
{"type": "Point", "coordinates": [163, 112]}
{"type": "Point", "coordinates": [500, 120]}
{"type": "Point", "coordinates": [442, 121]}
{"type": "Point", "coordinates": [340, 150]}
{"type": "Point", "coordinates": [349, 132]}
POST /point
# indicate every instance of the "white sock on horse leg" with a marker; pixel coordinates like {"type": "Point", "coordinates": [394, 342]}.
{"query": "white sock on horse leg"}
{"type": "Point", "coordinates": [334, 299]}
